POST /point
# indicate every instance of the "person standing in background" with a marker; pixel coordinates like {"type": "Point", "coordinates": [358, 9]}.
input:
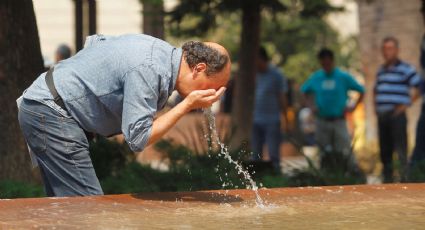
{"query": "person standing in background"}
{"type": "Point", "coordinates": [419, 151]}
{"type": "Point", "coordinates": [270, 103]}
{"type": "Point", "coordinates": [330, 87]}
{"type": "Point", "coordinates": [62, 52]}
{"type": "Point", "coordinates": [396, 88]}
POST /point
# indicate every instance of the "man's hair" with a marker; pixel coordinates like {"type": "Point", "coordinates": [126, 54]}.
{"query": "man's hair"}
{"type": "Point", "coordinates": [64, 51]}
{"type": "Point", "coordinates": [197, 52]}
{"type": "Point", "coordinates": [325, 53]}
{"type": "Point", "coordinates": [390, 39]}
{"type": "Point", "coordinates": [262, 54]}
{"type": "Point", "coordinates": [423, 7]}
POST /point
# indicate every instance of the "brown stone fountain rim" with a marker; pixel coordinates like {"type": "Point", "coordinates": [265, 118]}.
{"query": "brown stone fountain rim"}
{"type": "Point", "coordinates": [340, 194]}
{"type": "Point", "coordinates": [322, 206]}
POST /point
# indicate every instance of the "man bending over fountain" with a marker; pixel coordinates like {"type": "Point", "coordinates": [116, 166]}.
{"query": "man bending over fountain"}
{"type": "Point", "coordinates": [114, 85]}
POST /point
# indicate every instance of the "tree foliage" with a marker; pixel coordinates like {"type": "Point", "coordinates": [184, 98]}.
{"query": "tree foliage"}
{"type": "Point", "coordinates": [196, 18]}
{"type": "Point", "coordinates": [193, 18]}
{"type": "Point", "coordinates": [293, 31]}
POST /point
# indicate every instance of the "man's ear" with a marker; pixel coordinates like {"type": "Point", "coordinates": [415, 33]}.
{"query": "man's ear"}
{"type": "Point", "coordinates": [199, 68]}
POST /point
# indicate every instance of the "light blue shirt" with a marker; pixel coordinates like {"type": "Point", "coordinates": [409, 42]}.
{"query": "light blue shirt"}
{"type": "Point", "coordinates": [330, 91]}
{"type": "Point", "coordinates": [270, 85]}
{"type": "Point", "coordinates": [116, 84]}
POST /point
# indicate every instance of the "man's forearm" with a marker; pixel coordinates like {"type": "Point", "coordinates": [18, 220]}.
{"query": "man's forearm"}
{"type": "Point", "coordinates": [414, 95]}
{"type": "Point", "coordinates": [283, 104]}
{"type": "Point", "coordinates": [163, 123]}
{"type": "Point", "coordinates": [195, 100]}
{"type": "Point", "coordinates": [359, 100]}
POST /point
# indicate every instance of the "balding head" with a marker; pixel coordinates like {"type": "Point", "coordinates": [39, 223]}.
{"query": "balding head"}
{"type": "Point", "coordinates": [212, 54]}
{"type": "Point", "coordinates": [223, 52]}
{"type": "Point", "coordinates": [218, 47]}
{"type": "Point", "coordinates": [205, 65]}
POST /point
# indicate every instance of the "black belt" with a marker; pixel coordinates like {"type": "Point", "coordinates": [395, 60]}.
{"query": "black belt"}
{"type": "Point", "coordinates": [58, 100]}
{"type": "Point", "coordinates": [51, 85]}
{"type": "Point", "coordinates": [332, 118]}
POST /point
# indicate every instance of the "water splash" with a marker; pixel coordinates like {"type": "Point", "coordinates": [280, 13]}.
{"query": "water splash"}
{"type": "Point", "coordinates": [224, 152]}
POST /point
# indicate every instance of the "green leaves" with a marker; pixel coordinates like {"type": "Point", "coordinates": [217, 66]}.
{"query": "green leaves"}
{"type": "Point", "coordinates": [196, 18]}
{"type": "Point", "coordinates": [317, 8]}
{"type": "Point", "coordinates": [14, 189]}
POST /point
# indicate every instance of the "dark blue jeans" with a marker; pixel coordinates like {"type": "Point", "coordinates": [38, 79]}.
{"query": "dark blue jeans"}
{"type": "Point", "coordinates": [419, 151]}
{"type": "Point", "coordinates": [269, 134]}
{"type": "Point", "coordinates": [61, 149]}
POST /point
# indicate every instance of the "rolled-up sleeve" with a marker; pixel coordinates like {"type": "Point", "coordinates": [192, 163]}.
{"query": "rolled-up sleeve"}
{"type": "Point", "coordinates": [307, 88]}
{"type": "Point", "coordinates": [354, 85]}
{"type": "Point", "coordinates": [413, 78]}
{"type": "Point", "coordinates": [139, 108]}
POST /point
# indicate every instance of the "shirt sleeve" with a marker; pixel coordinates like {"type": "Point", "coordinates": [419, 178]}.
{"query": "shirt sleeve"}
{"type": "Point", "coordinates": [307, 87]}
{"type": "Point", "coordinates": [413, 78]}
{"type": "Point", "coordinates": [140, 105]}
{"type": "Point", "coordinates": [354, 85]}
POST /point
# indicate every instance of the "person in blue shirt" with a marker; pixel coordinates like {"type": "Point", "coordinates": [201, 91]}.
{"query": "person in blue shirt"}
{"type": "Point", "coordinates": [116, 84]}
{"type": "Point", "coordinates": [396, 88]}
{"type": "Point", "coordinates": [269, 104]}
{"type": "Point", "coordinates": [330, 86]}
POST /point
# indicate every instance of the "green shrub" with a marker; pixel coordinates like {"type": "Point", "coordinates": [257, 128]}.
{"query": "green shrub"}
{"type": "Point", "coordinates": [109, 157]}
{"type": "Point", "coordinates": [14, 189]}
{"type": "Point", "coordinates": [417, 173]}
{"type": "Point", "coordinates": [135, 178]}
{"type": "Point", "coordinates": [336, 169]}
{"type": "Point", "coordinates": [189, 171]}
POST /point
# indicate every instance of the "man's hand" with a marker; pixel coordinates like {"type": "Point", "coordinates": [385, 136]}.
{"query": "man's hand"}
{"type": "Point", "coordinates": [195, 100]}
{"type": "Point", "coordinates": [352, 107]}
{"type": "Point", "coordinates": [399, 109]}
{"type": "Point", "coordinates": [349, 109]}
{"type": "Point", "coordinates": [202, 98]}
{"type": "Point", "coordinates": [284, 124]}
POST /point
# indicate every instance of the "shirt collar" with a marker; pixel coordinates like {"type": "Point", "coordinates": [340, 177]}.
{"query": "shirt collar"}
{"type": "Point", "coordinates": [176, 57]}
{"type": "Point", "coordinates": [330, 74]}
{"type": "Point", "coordinates": [396, 63]}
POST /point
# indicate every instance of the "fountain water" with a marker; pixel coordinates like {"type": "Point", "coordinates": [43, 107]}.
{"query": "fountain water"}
{"type": "Point", "coordinates": [224, 152]}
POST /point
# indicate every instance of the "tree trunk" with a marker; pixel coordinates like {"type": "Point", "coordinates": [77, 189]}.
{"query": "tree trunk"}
{"type": "Point", "coordinates": [20, 63]}
{"type": "Point", "coordinates": [243, 99]}
{"type": "Point", "coordinates": [153, 18]}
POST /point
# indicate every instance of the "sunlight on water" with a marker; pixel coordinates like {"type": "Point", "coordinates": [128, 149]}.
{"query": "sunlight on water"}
{"type": "Point", "coordinates": [224, 152]}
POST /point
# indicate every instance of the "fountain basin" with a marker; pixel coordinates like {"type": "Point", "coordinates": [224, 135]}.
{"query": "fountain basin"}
{"type": "Point", "coordinates": [396, 206]}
